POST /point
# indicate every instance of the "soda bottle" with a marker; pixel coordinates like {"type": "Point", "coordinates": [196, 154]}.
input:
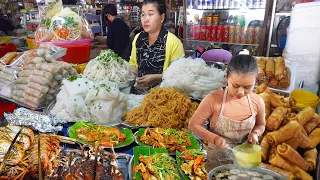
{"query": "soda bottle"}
{"type": "Point", "coordinates": [242, 23]}
{"type": "Point", "coordinates": [225, 32]}
{"type": "Point", "coordinates": [237, 34]}
{"type": "Point", "coordinates": [213, 36]}
{"type": "Point", "coordinates": [256, 39]}
{"type": "Point", "coordinates": [219, 33]}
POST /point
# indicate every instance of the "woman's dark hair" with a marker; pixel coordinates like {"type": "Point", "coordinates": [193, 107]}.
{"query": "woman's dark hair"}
{"type": "Point", "coordinates": [160, 4]}
{"type": "Point", "coordinates": [244, 64]}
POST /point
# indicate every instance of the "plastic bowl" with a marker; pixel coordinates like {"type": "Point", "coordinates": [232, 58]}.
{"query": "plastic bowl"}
{"type": "Point", "coordinates": [305, 98]}
{"type": "Point", "coordinates": [247, 155]}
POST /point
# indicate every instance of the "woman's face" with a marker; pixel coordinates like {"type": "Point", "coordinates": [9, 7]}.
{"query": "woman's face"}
{"type": "Point", "coordinates": [151, 19]}
{"type": "Point", "coordinates": [240, 85]}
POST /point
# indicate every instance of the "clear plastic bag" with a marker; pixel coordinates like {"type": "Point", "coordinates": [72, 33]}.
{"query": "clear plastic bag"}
{"type": "Point", "coordinates": [58, 52]}
{"type": "Point", "coordinates": [86, 31]}
{"type": "Point", "coordinates": [66, 25]}
{"type": "Point", "coordinates": [43, 32]}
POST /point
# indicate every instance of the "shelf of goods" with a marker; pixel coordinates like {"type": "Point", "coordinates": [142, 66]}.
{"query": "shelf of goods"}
{"type": "Point", "coordinates": [228, 22]}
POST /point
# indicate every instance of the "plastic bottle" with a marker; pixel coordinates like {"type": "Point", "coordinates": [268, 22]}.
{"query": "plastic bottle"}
{"type": "Point", "coordinates": [250, 34]}
{"type": "Point", "coordinates": [242, 22]}
{"type": "Point", "coordinates": [225, 31]}
{"type": "Point", "coordinates": [237, 35]}
{"type": "Point", "coordinates": [232, 29]}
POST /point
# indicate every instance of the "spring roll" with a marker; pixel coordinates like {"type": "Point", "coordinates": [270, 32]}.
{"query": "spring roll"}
{"type": "Point", "coordinates": [294, 142]}
{"type": "Point", "coordinates": [22, 80]}
{"type": "Point", "coordinates": [311, 157]}
{"type": "Point", "coordinates": [314, 137]}
{"type": "Point", "coordinates": [261, 67]}
{"type": "Point", "coordinates": [312, 123]}
{"type": "Point", "coordinates": [260, 89]}
{"type": "Point", "coordinates": [276, 101]}
{"type": "Point", "coordinates": [39, 79]}
{"type": "Point", "coordinates": [286, 174]}
{"type": "Point", "coordinates": [284, 133]}
{"type": "Point", "coordinates": [273, 83]}
{"type": "Point", "coordinates": [270, 68]}
{"type": "Point", "coordinates": [265, 148]}
{"type": "Point", "coordinates": [34, 92]}
{"type": "Point", "coordinates": [284, 82]}
{"type": "Point", "coordinates": [7, 58]}
{"type": "Point", "coordinates": [39, 87]}
{"type": "Point", "coordinates": [291, 117]}
{"type": "Point", "coordinates": [305, 115]}
{"type": "Point", "coordinates": [275, 119]}
{"type": "Point", "coordinates": [279, 68]}
{"type": "Point", "coordinates": [301, 174]}
{"type": "Point", "coordinates": [305, 142]}
{"type": "Point", "coordinates": [280, 162]}
{"type": "Point", "coordinates": [266, 99]}
{"type": "Point", "coordinates": [292, 155]}
{"type": "Point", "coordinates": [263, 80]}
{"type": "Point", "coordinates": [289, 102]}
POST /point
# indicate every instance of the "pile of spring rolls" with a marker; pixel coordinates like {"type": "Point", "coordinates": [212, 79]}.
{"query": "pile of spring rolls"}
{"type": "Point", "coordinates": [7, 74]}
{"type": "Point", "coordinates": [291, 137]}
{"type": "Point", "coordinates": [40, 79]}
{"type": "Point", "coordinates": [273, 72]}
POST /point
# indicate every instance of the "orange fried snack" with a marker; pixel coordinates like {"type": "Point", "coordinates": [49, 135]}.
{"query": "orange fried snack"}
{"type": "Point", "coordinates": [285, 133]}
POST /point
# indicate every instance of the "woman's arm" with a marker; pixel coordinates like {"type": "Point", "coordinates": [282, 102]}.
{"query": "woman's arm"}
{"type": "Point", "coordinates": [203, 113]}
{"type": "Point", "coordinates": [260, 125]}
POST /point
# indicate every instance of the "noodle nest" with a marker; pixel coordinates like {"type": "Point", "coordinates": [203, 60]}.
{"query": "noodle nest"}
{"type": "Point", "coordinates": [163, 107]}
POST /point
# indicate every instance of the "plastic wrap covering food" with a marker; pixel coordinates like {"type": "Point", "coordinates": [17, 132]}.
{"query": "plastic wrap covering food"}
{"type": "Point", "coordinates": [303, 44]}
{"type": "Point", "coordinates": [66, 25]}
{"type": "Point", "coordinates": [59, 24]}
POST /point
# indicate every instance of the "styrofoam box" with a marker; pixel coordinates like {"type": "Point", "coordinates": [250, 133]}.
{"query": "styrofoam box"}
{"type": "Point", "coordinates": [288, 90]}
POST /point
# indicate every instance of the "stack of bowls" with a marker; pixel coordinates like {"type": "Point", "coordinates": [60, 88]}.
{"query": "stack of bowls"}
{"type": "Point", "coordinates": [305, 98]}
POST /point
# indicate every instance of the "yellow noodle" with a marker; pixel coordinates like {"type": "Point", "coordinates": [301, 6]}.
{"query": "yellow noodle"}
{"type": "Point", "coordinates": [163, 107]}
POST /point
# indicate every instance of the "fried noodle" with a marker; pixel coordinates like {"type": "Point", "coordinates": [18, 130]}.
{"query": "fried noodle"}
{"type": "Point", "coordinates": [163, 107]}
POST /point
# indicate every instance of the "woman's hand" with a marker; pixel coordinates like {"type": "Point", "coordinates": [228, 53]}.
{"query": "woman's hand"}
{"type": "Point", "coordinates": [253, 138]}
{"type": "Point", "coordinates": [148, 80]}
{"type": "Point", "coordinates": [220, 142]}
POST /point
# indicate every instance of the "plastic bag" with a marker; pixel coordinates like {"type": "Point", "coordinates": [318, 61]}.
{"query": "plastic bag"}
{"type": "Point", "coordinates": [43, 32]}
{"type": "Point", "coordinates": [57, 52]}
{"type": "Point", "coordinates": [66, 25]}
{"type": "Point", "coordinates": [86, 31]}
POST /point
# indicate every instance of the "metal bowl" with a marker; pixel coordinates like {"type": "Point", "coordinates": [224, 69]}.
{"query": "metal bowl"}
{"type": "Point", "coordinates": [259, 170]}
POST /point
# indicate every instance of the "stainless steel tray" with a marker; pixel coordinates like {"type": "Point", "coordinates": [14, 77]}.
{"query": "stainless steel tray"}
{"type": "Point", "coordinates": [232, 166]}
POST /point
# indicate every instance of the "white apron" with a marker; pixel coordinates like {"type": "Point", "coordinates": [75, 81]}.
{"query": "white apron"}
{"type": "Point", "coordinates": [234, 132]}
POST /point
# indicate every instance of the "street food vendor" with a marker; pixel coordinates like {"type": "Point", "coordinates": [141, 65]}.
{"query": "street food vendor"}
{"type": "Point", "coordinates": [236, 114]}
{"type": "Point", "coordinates": [154, 48]}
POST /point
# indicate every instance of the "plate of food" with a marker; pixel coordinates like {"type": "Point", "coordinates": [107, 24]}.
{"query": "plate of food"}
{"type": "Point", "coordinates": [191, 163]}
{"type": "Point", "coordinates": [169, 138]}
{"type": "Point", "coordinates": [153, 163]}
{"type": "Point", "coordinates": [88, 133]}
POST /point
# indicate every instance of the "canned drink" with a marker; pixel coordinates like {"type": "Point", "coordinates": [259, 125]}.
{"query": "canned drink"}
{"type": "Point", "coordinates": [256, 35]}
{"type": "Point", "coordinates": [232, 29]}
{"type": "Point", "coordinates": [202, 32]}
{"type": "Point", "coordinates": [225, 4]}
{"type": "Point", "coordinates": [208, 32]}
{"type": "Point", "coordinates": [225, 33]}
{"type": "Point", "coordinates": [250, 35]}
{"type": "Point", "coordinates": [213, 35]}
{"type": "Point", "coordinates": [219, 33]}
{"type": "Point", "coordinates": [243, 35]}
{"type": "Point", "coordinates": [237, 35]}
{"type": "Point", "coordinates": [215, 19]}
{"type": "Point", "coordinates": [193, 32]}
{"type": "Point", "coordinates": [198, 32]}
{"type": "Point", "coordinates": [209, 20]}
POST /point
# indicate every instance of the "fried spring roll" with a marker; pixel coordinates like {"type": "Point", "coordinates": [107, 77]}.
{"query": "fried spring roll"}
{"type": "Point", "coordinates": [292, 155]}
{"type": "Point", "coordinates": [265, 148]}
{"type": "Point", "coordinates": [266, 99]}
{"type": "Point", "coordinates": [285, 133]}
{"type": "Point", "coordinates": [311, 157]}
{"type": "Point", "coordinates": [294, 142]}
{"type": "Point", "coordinates": [273, 82]}
{"type": "Point", "coordinates": [289, 102]}
{"type": "Point", "coordinates": [263, 80]}
{"type": "Point", "coordinates": [286, 174]}
{"type": "Point", "coordinates": [305, 115]}
{"type": "Point", "coordinates": [291, 117]}
{"type": "Point", "coordinates": [301, 174]}
{"type": "Point", "coordinates": [312, 123]}
{"type": "Point", "coordinates": [275, 119]}
{"type": "Point", "coordinates": [305, 142]}
{"type": "Point", "coordinates": [279, 68]}
{"type": "Point", "coordinates": [270, 68]}
{"type": "Point", "coordinates": [276, 101]}
{"type": "Point", "coordinates": [260, 89]}
{"type": "Point", "coordinates": [314, 137]}
{"type": "Point", "coordinates": [284, 82]}
{"type": "Point", "coordinates": [261, 67]}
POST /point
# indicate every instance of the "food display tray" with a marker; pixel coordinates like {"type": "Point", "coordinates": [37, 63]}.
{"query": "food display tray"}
{"type": "Point", "coordinates": [257, 169]}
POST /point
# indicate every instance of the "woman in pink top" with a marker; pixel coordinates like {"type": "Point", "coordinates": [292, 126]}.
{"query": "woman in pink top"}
{"type": "Point", "coordinates": [236, 114]}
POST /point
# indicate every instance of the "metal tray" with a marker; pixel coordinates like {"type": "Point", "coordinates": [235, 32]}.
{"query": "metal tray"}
{"type": "Point", "coordinates": [232, 166]}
